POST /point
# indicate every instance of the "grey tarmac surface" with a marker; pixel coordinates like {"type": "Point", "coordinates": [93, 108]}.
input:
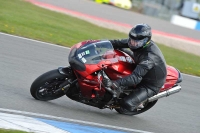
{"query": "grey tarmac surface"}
{"type": "Point", "coordinates": [22, 60]}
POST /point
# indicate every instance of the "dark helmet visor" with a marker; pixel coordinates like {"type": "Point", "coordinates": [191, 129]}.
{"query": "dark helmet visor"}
{"type": "Point", "coordinates": [136, 37]}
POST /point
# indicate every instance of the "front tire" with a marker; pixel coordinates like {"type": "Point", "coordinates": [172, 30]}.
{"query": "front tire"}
{"type": "Point", "coordinates": [44, 86]}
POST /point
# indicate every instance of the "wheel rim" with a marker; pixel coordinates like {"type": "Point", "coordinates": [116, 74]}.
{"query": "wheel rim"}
{"type": "Point", "coordinates": [47, 90]}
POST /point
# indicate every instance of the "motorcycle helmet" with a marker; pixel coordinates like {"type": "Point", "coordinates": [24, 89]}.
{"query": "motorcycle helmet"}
{"type": "Point", "coordinates": [139, 36]}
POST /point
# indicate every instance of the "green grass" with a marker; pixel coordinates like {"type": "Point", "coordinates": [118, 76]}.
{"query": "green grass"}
{"type": "Point", "coordinates": [23, 19]}
{"type": "Point", "coordinates": [185, 62]}
{"type": "Point", "coordinates": [10, 131]}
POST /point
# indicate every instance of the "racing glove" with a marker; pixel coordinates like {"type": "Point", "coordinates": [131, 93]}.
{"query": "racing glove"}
{"type": "Point", "coordinates": [113, 84]}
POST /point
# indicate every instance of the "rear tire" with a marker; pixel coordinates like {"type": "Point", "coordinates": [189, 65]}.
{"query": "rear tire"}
{"type": "Point", "coordinates": [135, 112]}
{"type": "Point", "coordinates": [44, 86]}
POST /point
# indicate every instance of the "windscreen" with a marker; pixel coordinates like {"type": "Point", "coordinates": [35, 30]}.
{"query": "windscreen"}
{"type": "Point", "coordinates": [95, 52]}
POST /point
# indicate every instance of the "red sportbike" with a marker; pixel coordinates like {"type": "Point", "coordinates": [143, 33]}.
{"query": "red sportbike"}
{"type": "Point", "coordinates": [90, 62]}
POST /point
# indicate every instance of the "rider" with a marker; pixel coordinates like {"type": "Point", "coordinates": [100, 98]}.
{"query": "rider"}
{"type": "Point", "coordinates": [150, 72]}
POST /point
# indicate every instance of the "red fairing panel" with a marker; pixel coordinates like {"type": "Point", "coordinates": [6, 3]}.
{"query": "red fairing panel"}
{"type": "Point", "coordinates": [124, 67]}
{"type": "Point", "coordinates": [171, 79]}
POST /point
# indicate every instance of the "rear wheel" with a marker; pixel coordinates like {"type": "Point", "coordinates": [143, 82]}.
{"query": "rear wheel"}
{"type": "Point", "coordinates": [44, 87]}
{"type": "Point", "coordinates": [146, 107]}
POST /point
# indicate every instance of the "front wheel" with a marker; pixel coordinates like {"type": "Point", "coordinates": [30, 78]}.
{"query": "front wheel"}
{"type": "Point", "coordinates": [146, 107]}
{"type": "Point", "coordinates": [44, 87]}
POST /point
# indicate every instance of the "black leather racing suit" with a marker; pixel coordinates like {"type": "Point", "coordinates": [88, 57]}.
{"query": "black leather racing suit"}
{"type": "Point", "coordinates": [148, 76]}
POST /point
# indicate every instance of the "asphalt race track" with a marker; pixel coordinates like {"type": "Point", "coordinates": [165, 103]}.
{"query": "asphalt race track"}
{"type": "Point", "coordinates": [22, 60]}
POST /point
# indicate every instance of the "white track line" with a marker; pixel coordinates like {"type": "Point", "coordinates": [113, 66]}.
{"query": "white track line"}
{"type": "Point", "coordinates": [71, 120]}
{"type": "Point", "coordinates": [33, 40]}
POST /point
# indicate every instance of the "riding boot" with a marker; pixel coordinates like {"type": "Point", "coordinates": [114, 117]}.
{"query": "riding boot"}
{"type": "Point", "coordinates": [134, 99]}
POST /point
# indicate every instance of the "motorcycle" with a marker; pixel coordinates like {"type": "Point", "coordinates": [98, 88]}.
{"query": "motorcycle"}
{"type": "Point", "coordinates": [90, 62]}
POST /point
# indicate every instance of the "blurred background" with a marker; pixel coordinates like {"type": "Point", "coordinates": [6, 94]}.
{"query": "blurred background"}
{"type": "Point", "coordinates": [163, 9]}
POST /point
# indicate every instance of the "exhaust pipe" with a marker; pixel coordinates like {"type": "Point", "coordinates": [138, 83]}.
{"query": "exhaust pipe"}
{"type": "Point", "coordinates": [166, 93]}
